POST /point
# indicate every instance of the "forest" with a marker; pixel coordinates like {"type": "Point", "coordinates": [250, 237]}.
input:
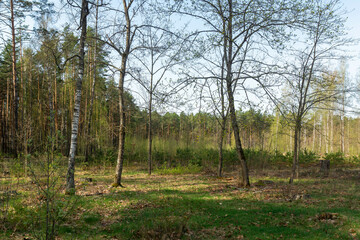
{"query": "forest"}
{"type": "Point", "coordinates": [178, 119]}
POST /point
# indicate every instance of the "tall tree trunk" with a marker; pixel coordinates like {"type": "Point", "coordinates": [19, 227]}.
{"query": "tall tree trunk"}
{"type": "Point", "coordinates": [7, 115]}
{"type": "Point", "coordinates": [2, 118]}
{"type": "Point", "coordinates": [70, 181]}
{"type": "Point", "coordinates": [124, 57]}
{"type": "Point", "coordinates": [56, 126]}
{"type": "Point", "coordinates": [15, 84]}
{"type": "Point", "coordinates": [51, 115]}
{"type": "Point", "coordinates": [89, 143]}
{"type": "Point", "coordinates": [150, 112]}
{"type": "Point", "coordinates": [150, 131]}
{"type": "Point", "coordinates": [244, 168]}
{"type": "Point", "coordinates": [223, 115]}
{"type": "Point", "coordinates": [229, 83]}
{"type": "Point", "coordinates": [21, 109]}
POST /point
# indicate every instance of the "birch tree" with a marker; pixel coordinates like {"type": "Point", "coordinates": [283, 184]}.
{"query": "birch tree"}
{"type": "Point", "coordinates": [70, 181]}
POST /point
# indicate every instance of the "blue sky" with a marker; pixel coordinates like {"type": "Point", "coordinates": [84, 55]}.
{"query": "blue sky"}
{"type": "Point", "coordinates": [353, 23]}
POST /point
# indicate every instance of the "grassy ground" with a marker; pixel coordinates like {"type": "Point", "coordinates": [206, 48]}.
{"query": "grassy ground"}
{"type": "Point", "coordinates": [190, 206]}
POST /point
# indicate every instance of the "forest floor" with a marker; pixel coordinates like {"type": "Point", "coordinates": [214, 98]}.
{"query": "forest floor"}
{"type": "Point", "coordinates": [188, 206]}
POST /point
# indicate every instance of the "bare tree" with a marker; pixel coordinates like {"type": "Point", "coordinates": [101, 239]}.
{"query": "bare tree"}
{"type": "Point", "coordinates": [159, 51]}
{"type": "Point", "coordinates": [121, 41]}
{"type": "Point", "coordinates": [308, 83]}
{"type": "Point", "coordinates": [245, 30]}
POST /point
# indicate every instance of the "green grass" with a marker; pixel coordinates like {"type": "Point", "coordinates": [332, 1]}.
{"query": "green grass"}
{"type": "Point", "coordinates": [196, 206]}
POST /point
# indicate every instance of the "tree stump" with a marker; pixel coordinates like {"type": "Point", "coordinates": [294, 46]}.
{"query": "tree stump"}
{"type": "Point", "coordinates": [325, 167]}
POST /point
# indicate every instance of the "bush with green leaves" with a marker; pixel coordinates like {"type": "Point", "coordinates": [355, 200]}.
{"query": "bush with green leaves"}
{"type": "Point", "coordinates": [308, 156]}
{"type": "Point", "coordinates": [336, 157]}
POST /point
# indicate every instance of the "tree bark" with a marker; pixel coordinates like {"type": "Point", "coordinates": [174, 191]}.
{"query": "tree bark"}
{"type": "Point", "coordinates": [295, 166]}
{"type": "Point", "coordinates": [331, 131]}
{"type": "Point", "coordinates": [150, 111]}
{"type": "Point", "coordinates": [70, 181]}
{"type": "Point", "coordinates": [88, 144]}
{"type": "Point", "coordinates": [325, 167]}
{"type": "Point", "coordinates": [124, 57]}
{"type": "Point", "coordinates": [327, 134]}
{"type": "Point", "coordinates": [244, 169]}
{"type": "Point", "coordinates": [320, 133]}
{"type": "Point", "coordinates": [150, 133]}
{"type": "Point", "coordinates": [229, 83]}
{"type": "Point", "coordinates": [314, 134]}
{"type": "Point", "coordinates": [15, 82]}
{"type": "Point", "coordinates": [221, 144]}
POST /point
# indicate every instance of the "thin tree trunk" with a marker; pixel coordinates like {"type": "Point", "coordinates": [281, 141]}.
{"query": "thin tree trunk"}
{"type": "Point", "coordinates": [2, 149]}
{"type": "Point", "coordinates": [51, 115]}
{"type": "Point", "coordinates": [277, 131]}
{"type": "Point", "coordinates": [327, 134]}
{"type": "Point", "coordinates": [320, 133]}
{"type": "Point", "coordinates": [244, 169]}
{"type": "Point", "coordinates": [150, 112]}
{"type": "Point", "coordinates": [314, 134]}
{"type": "Point", "coordinates": [221, 141]}
{"type": "Point", "coordinates": [70, 181]}
{"type": "Point", "coordinates": [305, 137]}
{"type": "Point", "coordinates": [348, 137]}
{"type": "Point", "coordinates": [229, 135]}
{"type": "Point", "coordinates": [290, 140]}
{"type": "Point", "coordinates": [21, 97]}
{"type": "Point", "coordinates": [89, 143]}
{"type": "Point", "coordinates": [342, 131]}
{"type": "Point", "coordinates": [56, 127]}
{"type": "Point", "coordinates": [7, 115]}
{"type": "Point", "coordinates": [331, 132]}
{"type": "Point", "coordinates": [14, 78]}
{"type": "Point", "coordinates": [150, 132]}
{"type": "Point", "coordinates": [294, 169]}
{"type": "Point", "coordinates": [228, 56]}
{"type": "Point", "coordinates": [125, 54]}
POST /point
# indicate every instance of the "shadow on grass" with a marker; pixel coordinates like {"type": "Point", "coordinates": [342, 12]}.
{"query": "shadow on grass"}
{"type": "Point", "coordinates": [176, 214]}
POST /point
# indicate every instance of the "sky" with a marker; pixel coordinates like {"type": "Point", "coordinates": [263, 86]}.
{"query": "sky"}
{"type": "Point", "coordinates": [353, 25]}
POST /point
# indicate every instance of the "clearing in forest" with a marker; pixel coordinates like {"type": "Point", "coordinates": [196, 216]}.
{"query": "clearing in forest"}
{"type": "Point", "coordinates": [189, 206]}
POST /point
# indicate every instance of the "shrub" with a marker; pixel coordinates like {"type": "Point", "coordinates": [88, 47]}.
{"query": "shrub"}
{"type": "Point", "coordinates": [354, 159]}
{"type": "Point", "coordinates": [308, 156]}
{"type": "Point", "coordinates": [278, 157]}
{"type": "Point", "coordinates": [336, 157]}
{"type": "Point", "coordinates": [183, 155]}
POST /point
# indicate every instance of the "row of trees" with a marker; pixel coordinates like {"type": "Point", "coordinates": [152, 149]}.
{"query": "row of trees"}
{"type": "Point", "coordinates": [81, 86]}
